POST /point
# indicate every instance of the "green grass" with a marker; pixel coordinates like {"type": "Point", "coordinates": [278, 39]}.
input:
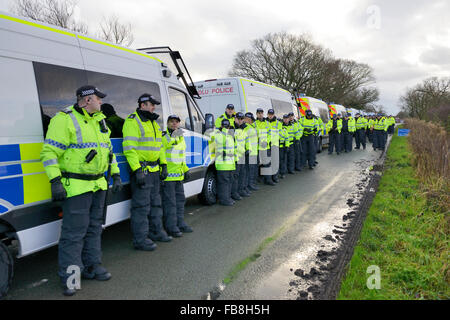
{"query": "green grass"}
{"type": "Point", "coordinates": [405, 236]}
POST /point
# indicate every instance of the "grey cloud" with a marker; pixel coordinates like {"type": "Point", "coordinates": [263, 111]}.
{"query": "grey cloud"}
{"type": "Point", "coordinates": [438, 55]}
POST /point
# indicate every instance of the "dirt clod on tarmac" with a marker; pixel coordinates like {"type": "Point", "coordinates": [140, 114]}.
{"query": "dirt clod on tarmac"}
{"type": "Point", "coordinates": [329, 238]}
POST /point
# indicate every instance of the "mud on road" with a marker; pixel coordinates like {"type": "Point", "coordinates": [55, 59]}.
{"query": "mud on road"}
{"type": "Point", "coordinates": [323, 280]}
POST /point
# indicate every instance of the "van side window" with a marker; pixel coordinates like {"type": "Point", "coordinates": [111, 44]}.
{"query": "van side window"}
{"type": "Point", "coordinates": [281, 107]}
{"type": "Point", "coordinates": [255, 102]}
{"type": "Point", "coordinates": [56, 88]}
{"type": "Point", "coordinates": [122, 95]}
{"type": "Point", "coordinates": [179, 104]}
{"type": "Point", "coordinates": [197, 118]}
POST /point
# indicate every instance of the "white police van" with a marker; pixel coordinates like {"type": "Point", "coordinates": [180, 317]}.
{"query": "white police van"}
{"type": "Point", "coordinates": [246, 96]}
{"type": "Point", "coordinates": [319, 108]}
{"type": "Point", "coordinates": [41, 67]}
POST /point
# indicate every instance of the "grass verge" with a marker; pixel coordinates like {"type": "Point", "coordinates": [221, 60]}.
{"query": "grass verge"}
{"type": "Point", "coordinates": [404, 234]}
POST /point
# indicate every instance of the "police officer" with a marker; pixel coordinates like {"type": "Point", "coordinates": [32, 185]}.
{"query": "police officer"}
{"type": "Point", "coordinates": [275, 127]}
{"type": "Point", "coordinates": [317, 136]}
{"type": "Point", "coordinates": [297, 130]}
{"type": "Point", "coordinates": [310, 128]}
{"type": "Point", "coordinates": [378, 133]}
{"type": "Point", "coordinates": [340, 144]}
{"type": "Point", "coordinates": [284, 146]}
{"type": "Point", "coordinates": [228, 114]}
{"type": "Point", "coordinates": [114, 122]}
{"type": "Point", "coordinates": [290, 151]}
{"type": "Point", "coordinates": [262, 125]}
{"type": "Point", "coordinates": [352, 129]}
{"type": "Point", "coordinates": [225, 162]}
{"type": "Point", "coordinates": [240, 174]}
{"type": "Point", "coordinates": [360, 137]}
{"type": "Point", "coordinates": [334, 129]}
{"type": "Point", "coordinates": [347, 134]}
{"type": "Point", "coordinates": [143, 148]}
{"type": "Point", "coordinates": [76, 153]}
{"type": "Point", "coordinates": [172, 190]}
{"type": "Point", "coordinates": [251, 147]}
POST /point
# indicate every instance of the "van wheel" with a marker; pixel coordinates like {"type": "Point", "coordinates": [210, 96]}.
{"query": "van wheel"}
{"type": "Point", "coordinates": [6, 270]}
{"type": "Point", "coordinates": [208, 195]}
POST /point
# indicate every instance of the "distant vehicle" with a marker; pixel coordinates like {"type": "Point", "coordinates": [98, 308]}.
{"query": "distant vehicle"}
{"type": "Point", "coordinates": [319, 108]}
{"type": "Point", "coordinates": [246, 96]}
{"type": "Point", "coordinates": [335, 109]}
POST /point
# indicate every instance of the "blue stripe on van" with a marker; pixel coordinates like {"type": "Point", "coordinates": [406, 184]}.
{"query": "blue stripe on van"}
{"type": "Point", "coordinates": [3, 209]}
{"type": "Point", "coordinates": [9, 152]}
{"type": "Point", "coordinates": [10, 170]}
{"type": "Point", "coordinates": [11, 190]}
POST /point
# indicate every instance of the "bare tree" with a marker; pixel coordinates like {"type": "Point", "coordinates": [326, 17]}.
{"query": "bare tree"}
{"type": "Point", "coordinates": [429, 100]}
{"type": "Point", "coordinates": [56, 12]}
{"type": "Point", "coordinates": [111, 29]}
{"type": "Point", "coordinates": [296, 63]}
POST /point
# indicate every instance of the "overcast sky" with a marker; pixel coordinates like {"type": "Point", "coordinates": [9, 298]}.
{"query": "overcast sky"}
{"type": "Point", "coordinates": [404, 41]}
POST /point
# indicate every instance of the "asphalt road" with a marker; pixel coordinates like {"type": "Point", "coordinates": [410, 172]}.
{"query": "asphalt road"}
{"type": "Point", "coordinates": [294, 216]}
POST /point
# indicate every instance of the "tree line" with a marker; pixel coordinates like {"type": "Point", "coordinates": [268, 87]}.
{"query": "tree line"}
{"type": "Point", "coordinates": [297, 64]}
{"type": "Point", "coordinates": [428, 100]}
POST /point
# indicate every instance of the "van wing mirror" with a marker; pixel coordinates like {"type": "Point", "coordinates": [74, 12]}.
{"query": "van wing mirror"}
{"type": "Point", "coordinates": [209, 122]}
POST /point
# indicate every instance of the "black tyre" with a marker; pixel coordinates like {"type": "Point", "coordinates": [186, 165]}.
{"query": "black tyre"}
{"type": "Point", "coordinates": [6, 270]}
{"type": "Point", "coordinates": [208, 195]}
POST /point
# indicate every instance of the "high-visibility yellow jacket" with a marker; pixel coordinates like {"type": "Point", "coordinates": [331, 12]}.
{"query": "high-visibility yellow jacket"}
{"type": "Point", "coordinates": [351, 124]}
{"type": "Point", "coordinates": [380, 124]}
{"type": "Point", "coordinates": [224, 149]}
{"type": "Point", "coordinates": [275, 126]}
{"type": "Point", "coordinates": [361, 123]}
{"type": "Point", "coordinates": [310, 126]}
{"type": "Point", "coordinates": [240, 139]}
{"type": "Point", "coordinates": [175, 153]}
{"type": "Point", "coordinates": [263, 134]}
{"type": "Point", "coordinates": [338, 125]}
{"type": "Point", "coordinates": [251, 143]}
{"type": "Point", "coordinates": [298, 129]}
{"type": "Point", "coordinates": [142, 141]}
{"type": "Point", "coordinates": [218, 122]}
{"type": "Point", "coordinates": [71, 135]}
{"type": "Point", "coordinates": [321, 126]}
{"type": "Point", "coordinates": [284, 136]}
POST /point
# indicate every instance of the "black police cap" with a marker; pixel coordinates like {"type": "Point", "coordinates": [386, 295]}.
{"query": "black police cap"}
{"type": "Point", "coordinates": [285, 116]}
{"type": "Point", "coordinates": [250, 115]}
{"type": "Point", "coordinates": [173, 116]}
{"type": "Point", "coordinates": [240, 115]}
{"type": "Point", "coordinates": [259, 110]}
{"type": "Point", "coordinates": [290, 114]}
{"type": "Point", "coordinates": [148, 97]}
{"type": "Point", "coordinates": [230, 106]}
{"type": "Point", "coordinates": [85, 91]}
{"type": "Point", "coordinates": [270, 111]}
{"type": "Point", "coordinates": [225, 122]}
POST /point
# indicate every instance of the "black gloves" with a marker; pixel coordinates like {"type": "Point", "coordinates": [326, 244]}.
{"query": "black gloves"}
{"type": "Point", "coordinates": [163, 175]}
{"type": "Point", "coordinates": [58, 191]}
{"type": "Point", "coordinates": [140, 177]}
{"type": "Point", "coordinates": [269, 153]}
{"type": "Point", "coordinates": [117, 183]}
{"type": "Point", "coordinates": [187, 175]}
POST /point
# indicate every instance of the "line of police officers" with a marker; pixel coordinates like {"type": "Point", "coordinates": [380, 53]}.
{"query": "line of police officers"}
{"type": "Point", "coordinates": [341, 131]}
{"type": "Point", "coordinates": [77, 151]}
{"type": "Point", "coordinates": [247, 148]}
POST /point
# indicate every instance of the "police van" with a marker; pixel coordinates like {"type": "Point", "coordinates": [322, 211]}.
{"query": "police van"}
{"type": "Point", "coordinates": [335, 109]}
{"type": "Point", "coordinates": [41, 67]}
{"type": "Point", "coordinates": [246, 96]}
{"type": "Point", "coordinates": [319, 108]}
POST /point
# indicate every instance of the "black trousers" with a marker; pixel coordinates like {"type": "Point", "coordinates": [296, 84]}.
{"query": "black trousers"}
{"type": "Point", "coordinates": [173, 200]}
{"type": "Point", "coordinates": [224, 185]}
{"type": "Point", "coordinates": [80, 240]}
{"type": "Point", "coordinates": [360, 138]}
{"type": "Point", "coordinates": [334, 142]}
